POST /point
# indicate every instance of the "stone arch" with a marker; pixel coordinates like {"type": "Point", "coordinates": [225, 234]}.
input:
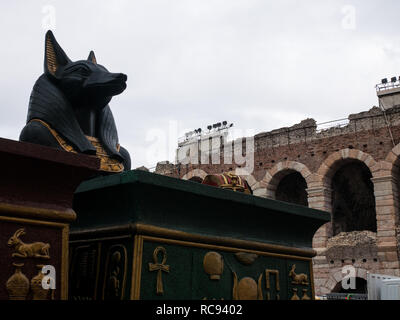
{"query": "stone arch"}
{"type": "Point", "coordinates": [336, 276]}
{"type": "Point", "coordinates": [195, 173]}
{"type": "Point", "coordinates": [279, 171]}
{"type": "Point", "coordinates": [320, 192]}
{"type": "Point", "coordinates": [330, 165]}
{"type": "Point", "coordinates": [391, 167]}
{"type": "Point", "coordinates": [389, 171]}
{"type": "Point", "coordinates": [324, 174]}
{"type": "Point", "coordinates": [342, 172]}
{"type": "Point", "coordinates": [393, 158]}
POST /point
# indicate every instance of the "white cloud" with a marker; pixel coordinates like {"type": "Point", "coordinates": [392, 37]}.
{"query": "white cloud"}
{"type": "Point", "coordinates": [259, 64]}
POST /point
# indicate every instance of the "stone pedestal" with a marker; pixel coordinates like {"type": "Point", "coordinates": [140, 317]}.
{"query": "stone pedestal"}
{"type": "Point", "coordinates": [36, 191]}
{"type": "Point", "coordinates": [140, 235]}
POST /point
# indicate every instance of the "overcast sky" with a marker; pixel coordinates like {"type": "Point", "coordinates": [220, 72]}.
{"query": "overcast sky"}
{"type": "Point", "coordinates": [259, 64]}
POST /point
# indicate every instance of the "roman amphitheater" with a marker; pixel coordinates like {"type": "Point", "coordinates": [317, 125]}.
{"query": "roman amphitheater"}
{"type": "Point", "coordinates": [350, 169]}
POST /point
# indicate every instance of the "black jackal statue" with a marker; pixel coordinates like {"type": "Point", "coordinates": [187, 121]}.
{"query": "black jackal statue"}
{"type": "Point", "coordinates": [68, 108]}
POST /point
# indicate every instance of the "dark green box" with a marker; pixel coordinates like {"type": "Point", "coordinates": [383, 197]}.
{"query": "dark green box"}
{"type": "Point", "coordinates": [145, 236]}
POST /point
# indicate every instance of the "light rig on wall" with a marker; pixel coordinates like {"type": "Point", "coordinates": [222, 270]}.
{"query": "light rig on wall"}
{"type": "Point", "coordinates": [199, 134]}
{"type": "Point", "coordinates": [199, 138]}
{"type": "Point", "coordinates": [388, 93]}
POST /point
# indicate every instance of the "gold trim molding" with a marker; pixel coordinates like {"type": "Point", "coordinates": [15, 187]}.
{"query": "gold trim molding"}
{"type": "Point", "coordinates": [137, 267]}
{"type": "Point", "coordinates": [149, 230]}
{"type": "Point", "coordinates": [67, 215]}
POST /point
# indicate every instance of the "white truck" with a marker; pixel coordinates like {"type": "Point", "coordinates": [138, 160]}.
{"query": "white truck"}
{"type": "Point", "coordinates": [382, 287]}
{"type": "Point", "coordinates": [379, 287]}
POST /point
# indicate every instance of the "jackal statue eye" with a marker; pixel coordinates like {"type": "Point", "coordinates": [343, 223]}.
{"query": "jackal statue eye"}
{"type": "Point", "coordinates": [82, 71]}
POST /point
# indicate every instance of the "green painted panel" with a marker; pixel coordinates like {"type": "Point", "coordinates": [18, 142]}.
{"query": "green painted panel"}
{"type": "Point", "coordinates": [101, 270]}
{"type": "Point", "coordinates": [121, 205]}
{"type": "Point", "coordinates": [187, 278]}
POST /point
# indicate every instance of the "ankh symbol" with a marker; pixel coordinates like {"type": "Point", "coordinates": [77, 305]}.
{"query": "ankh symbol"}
{"type": "Point", "coordinates": [160, 267]}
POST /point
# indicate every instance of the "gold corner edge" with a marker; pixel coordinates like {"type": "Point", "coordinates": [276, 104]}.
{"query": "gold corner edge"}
{"type": "Point", "coordinates": [137, 267]}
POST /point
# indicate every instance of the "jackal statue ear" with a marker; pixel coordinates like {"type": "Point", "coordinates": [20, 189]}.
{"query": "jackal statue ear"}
{"type": "Point", "coordinates": [54, 55]}
{"type": "Point", "coordinates": [92, 57]}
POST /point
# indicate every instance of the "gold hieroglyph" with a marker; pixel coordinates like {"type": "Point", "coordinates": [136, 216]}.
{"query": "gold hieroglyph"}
{"type": "Point", "coordinates": [159, 267]}
{"type": "Point", "coordinates": [247, 288]}
{"type": "Point", "coordinates": [295, 296]}
{"type": "Point", "coordinates": [213, 265]}
{"type": "Point", "coordinates": [38, 292]}
{"type": "Point", "coordinates": [18, 284]}
{"type": "Point", "coordinates": [305, 296]}
{"type": "Point", "coordinates": [246, 258]}
{"type": "Point", "coordinates": [28, 250]}
{"type": "Point", "coordinates": [268, 274]}
{"type": "Point", "coordinates": [301, 279]}
{"type": "Point", "coordinates": [115, 270]}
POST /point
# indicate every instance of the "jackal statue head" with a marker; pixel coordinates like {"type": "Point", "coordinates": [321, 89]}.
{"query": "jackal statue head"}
{"type": "Point", "coordinates": [68, 108]}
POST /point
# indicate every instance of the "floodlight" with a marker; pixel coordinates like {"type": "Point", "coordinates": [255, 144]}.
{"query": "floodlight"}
{"type": "Point", "coordinates": [394, 79]}
{"type": "Point", "coordinates": [384, 81]}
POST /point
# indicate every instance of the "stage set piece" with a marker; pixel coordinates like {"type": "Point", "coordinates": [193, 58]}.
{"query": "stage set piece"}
{"type": "Point", "coordinates": [140, 235]}
{"type": "Point", "coordinates": [36, 193]}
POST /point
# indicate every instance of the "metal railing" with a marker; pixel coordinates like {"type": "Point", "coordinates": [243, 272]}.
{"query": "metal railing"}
{"type": "Point", "coordinates": [346, 296]}
{"type": "Point", "coordinates": [332, 124]}
{"type": "Point", "coordinates": [387, 85]}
